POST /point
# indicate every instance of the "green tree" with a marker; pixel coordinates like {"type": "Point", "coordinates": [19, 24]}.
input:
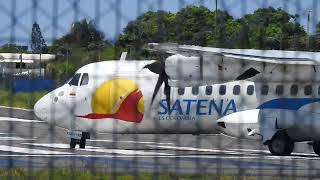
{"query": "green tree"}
{"type": "Point", "coordinates": [82, 33]}
{"type": "Point", "coordinates": [270, 28]}
{"type": "Point", "coordinates": [149, 27]}
{"type": "Point", "coordinates": [266, 28]}
{"type": "Point", "coordinates": [38, 44]}
{"type": "Point", "coordinates": [318, 27]}
{"type": "Point", "coordinates": [13, 48]}
{"type": "Point", "coordinates": [191, 25]}
{"type": "Point", "coordinates": [243, 40]}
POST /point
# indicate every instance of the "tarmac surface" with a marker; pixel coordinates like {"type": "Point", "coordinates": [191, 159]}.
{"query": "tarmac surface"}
{"type": "Point", "coordinates": [32, 144]}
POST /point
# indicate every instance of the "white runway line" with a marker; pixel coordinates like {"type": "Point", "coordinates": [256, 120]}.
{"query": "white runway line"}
{"type": "Point", "coordinates": [19, 120]}
{"type": "Point", "coordinates": [133, 142]}
{"type": "Point", "coordinates": [12, 138]}
{"type": "Point", "coordinates": [220, 157]}
{"type": "Point", "coordinates": [29, 150]}
{"type": "Point", "coordinates": [130, 156]}
{"type": "Point", "coordinates": [99, 149]}
{"type": "Point", "coordinates": [265, 151]}
{"type": "Point", "coordinates": [251, 150]}
{"type": "Point", "coordinates": [193, 149]}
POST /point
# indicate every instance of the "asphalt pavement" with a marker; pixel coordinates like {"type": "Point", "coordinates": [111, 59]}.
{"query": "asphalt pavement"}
{"type": "Point", "coordinates": [32, 144]}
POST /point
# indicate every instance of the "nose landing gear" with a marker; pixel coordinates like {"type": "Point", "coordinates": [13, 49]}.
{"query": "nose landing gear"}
{"type": "Point", "coordinates": [78, 137]}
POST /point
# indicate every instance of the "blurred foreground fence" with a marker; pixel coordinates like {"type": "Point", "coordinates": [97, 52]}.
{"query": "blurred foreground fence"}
{"type": "Point", "coordinates": [77, 30]}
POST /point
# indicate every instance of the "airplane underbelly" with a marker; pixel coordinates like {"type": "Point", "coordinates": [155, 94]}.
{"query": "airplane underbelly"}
{"type": "Point", "coordinates": [148, 126]}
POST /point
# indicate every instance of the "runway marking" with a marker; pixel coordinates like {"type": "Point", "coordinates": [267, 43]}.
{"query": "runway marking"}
{"type": "Point", "coordinates": [265, 151]}
{"type": "Point", "coordinates": [134, 142]}
{"type": "Point", "coordinates": [220, 157]}
{"type": "Point", "coordinates": [193, 149]}
{"type": "Point", "coordinates": [29, 150]}
{"type": "Point", "coordinates": [99, 149]}
{"type": "Point", "coordinates": [8, 138]}
{"type": "Point", "coordinates": [130, 156]}
{"type": "Point", "coordinates": [19, 120]}
{"type": "Point", "coordinates": [16, 108]}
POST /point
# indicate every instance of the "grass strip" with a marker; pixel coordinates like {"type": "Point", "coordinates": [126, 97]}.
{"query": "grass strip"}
{"type": "Point", "coordinates": [21, 173]}
{"type": "Point", "coordinates": [20, 100]}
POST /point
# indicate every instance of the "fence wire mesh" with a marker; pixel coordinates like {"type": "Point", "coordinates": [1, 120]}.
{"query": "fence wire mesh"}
{"type": "Point", "coordinates": [246, 108]}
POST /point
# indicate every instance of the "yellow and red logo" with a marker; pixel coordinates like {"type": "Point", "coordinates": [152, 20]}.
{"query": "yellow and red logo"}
{"type": "Point", "coordinates": [118, 99]}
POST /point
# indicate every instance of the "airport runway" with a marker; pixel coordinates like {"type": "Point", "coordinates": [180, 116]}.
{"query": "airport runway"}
{"type": "Point", "coordinates": [32, 144]}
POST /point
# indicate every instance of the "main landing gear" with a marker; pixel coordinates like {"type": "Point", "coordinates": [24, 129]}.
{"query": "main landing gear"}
{"type": "Point", "coordinates": [78, 137]}
{"type": "Point", "coordinates": [281, 144]}
{"type": "Point", "coordinates": [316, 147]}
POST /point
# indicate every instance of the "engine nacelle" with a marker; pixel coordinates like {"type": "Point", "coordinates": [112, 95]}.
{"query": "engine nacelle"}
{"type": "Point", "coordinates": [193, 68]}
{"type": "Point", "coordinates": [244, 124]}
{"type": "Point", "coordinates": [263, 124]}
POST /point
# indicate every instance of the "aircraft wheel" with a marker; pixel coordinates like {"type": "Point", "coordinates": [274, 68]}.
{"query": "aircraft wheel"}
{"type": "Point", "coordinates": [316, 147]}
{"type": "Point", "coordinates": [82, 144]}
{"type": "Point", "coordinates": [73, 143]}
{"type": "Point", "coordinates": [281, 145]}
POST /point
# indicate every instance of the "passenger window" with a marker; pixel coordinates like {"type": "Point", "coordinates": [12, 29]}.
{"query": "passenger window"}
{"type": "Point", "coordinates": [250, 89]}
{"type": "Point", "coordinates": [222, 90]}
{"type": "Point", "coordinates": [75, 80]}
{"type": "Point", "coordinates": [181, 91]}
{"type": "Point", "coordinates": [294, 90]}
{"type": "Point", "coordinates": [264, 89]}
{"type": "Point", "coordinates": [195, 90]}
{"type": "Point", "coordinates": [308, 90]}
{"type": "Point", "coordinates": [84, 79]}
{"type": "Point", "coordinates": [279, 90]}
{"type": "Point", "coordinates": [236, 89]}
{"type": "Point", "coordinates": [208, 90]}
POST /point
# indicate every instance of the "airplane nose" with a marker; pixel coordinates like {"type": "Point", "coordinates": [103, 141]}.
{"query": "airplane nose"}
{"type": "Point", "coordinates": [41, 109]}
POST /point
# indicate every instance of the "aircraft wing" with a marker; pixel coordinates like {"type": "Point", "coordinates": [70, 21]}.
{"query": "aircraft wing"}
{"type": "Point", "coordinates": [221, 65]}
{"type": "Point", "coordinates": [267, 56]}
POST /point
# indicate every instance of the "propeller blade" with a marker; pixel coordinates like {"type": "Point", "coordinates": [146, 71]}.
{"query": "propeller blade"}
{"type": "Point", "coordinates": [201, 67]}
{"type": "Point", "coordinates": [156, 67]}
{"type": "Point", "coordinates": [248, 74]}
{"type": "Point", "coordinates": [157, 87]}
{"type": "Point", "coordinates": [167, 90]}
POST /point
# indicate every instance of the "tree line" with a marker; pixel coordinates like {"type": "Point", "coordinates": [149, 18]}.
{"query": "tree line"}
{"type": "Point", "coordinates": [265, 28]}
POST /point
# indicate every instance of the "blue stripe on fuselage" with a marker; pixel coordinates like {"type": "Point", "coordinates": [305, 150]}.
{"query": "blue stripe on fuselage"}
{"type": "Point", "coordinates": [288, 103]}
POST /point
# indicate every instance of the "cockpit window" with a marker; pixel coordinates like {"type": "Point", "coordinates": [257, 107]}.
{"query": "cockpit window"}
{"type": "Point", "coordinates": [74, 80]}
{"type": "Point", "coordinates": [84, 79]}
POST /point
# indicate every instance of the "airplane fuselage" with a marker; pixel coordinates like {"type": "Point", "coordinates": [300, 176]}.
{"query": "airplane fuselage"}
{"type": "Point", "coordinates": [194, 110]}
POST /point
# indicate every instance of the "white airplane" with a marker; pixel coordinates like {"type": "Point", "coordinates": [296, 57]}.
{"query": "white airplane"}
{"type": "Point", "coordinates": [270, 96]}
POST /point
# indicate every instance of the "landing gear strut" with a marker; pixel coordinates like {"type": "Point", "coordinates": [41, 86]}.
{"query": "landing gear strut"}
{"type": "Point", "coordinates": [281, 144]}
{"type": "Point", "coordinates": [77, 137]}
{"type": "Point", "coordinates": [82, 143]}
{"type": "Point", "coordinates": [316, 147]}
{"type": "Point", "coordinates": [73, 143]}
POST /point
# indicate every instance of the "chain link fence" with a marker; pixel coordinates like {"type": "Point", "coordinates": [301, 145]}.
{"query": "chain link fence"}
{"type": "Point", "coordinates": [128, 119]}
